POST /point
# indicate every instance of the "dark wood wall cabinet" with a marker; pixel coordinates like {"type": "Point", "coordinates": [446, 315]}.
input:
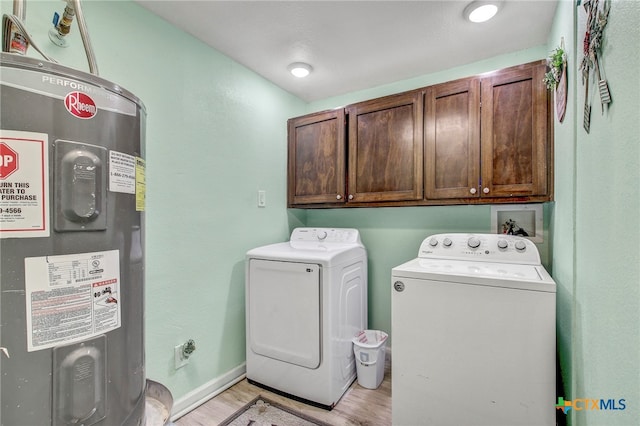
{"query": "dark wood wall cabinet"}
{"type": "Point", "coordinates": [316, 170]}
{"type": "Point", "coordinates": [485, 139]}
{"type": "Point", "coordinates": [385, 149]}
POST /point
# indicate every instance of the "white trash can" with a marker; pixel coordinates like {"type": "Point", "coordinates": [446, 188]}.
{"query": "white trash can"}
{"type": "Point", "coordinates": [369, 349]}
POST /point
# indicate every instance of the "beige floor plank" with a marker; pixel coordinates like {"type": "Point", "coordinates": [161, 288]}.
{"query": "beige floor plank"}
{"type": "Point", "coordinates": [358, 407]}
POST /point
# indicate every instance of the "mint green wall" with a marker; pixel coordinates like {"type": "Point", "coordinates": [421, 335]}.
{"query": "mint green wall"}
{"type": "Point", "coordinates": [393, 235]}
{"type": "Point", "coordinates": [216, 133]}
{"type": "Point", "coordinates": [475, 68]}
{"type": "Point", "coordinates": [596, 221]}
{"type": "Point", "coordinates": [606, 336]}
{"type": "Point", "coordinates": [562, 226]}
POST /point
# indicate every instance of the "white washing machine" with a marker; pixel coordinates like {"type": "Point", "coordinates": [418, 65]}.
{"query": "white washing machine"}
{"type": "Point", "coordinates": [305, 300]}
{"type": "Point", "coordinates": [473, 330]}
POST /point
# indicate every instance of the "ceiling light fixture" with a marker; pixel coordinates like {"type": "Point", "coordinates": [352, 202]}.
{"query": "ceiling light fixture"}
{"type": "Point", "coordinates": [300, 69]}
{"type": "Point", "coordinates": [481, 11]}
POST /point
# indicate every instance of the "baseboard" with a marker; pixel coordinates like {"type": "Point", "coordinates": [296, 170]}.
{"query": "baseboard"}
{"type": "Point", "coordinates": [200, 395]}
{"type": "Point", "coordinates": [214, 387]}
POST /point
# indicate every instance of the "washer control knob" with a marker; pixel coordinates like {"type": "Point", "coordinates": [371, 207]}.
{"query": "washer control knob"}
{"type": "Point", "coordinates": [520, 245]}
{"type": "Point", "coordinates": [447, 242]}
{"type": "Point", "coordinates": [398, 286]}
{"type": "Point", "coordinates": [502, 244]}
{"type": "Point", "coordinates": [433, 242]}
{"type": "Point", "coordinates": [473, 242]}
{"type": "Point", "coordinates": [322, 235]}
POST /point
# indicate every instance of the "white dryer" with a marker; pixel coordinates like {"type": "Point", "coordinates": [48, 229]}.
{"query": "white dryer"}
{"type": "Point", "coordinates": [305, 300]}
{"type": "Point", "coordinates": [473, 329]}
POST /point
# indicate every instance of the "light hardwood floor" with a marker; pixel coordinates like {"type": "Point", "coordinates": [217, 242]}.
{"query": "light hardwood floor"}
{"type": "Point", "coordinates": [358, 407]}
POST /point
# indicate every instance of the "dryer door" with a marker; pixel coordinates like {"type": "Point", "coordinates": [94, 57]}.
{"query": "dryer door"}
{"type": "Point", "coordinates": [284, 311]}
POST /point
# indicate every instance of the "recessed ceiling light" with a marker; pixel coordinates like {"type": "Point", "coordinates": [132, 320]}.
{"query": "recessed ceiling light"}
{"type": "Point", "coordinates": [300, 69]}
{"type": "Point", "coordinates": [481, 11]}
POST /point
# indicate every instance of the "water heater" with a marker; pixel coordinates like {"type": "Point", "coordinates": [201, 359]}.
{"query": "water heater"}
{"type": "Point", "coordinates": [72, 191]}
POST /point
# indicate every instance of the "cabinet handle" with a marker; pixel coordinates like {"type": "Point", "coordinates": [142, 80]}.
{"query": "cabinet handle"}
{"type": "Point", "coordinates": [338, 197]}
{"type": "Point", "coordinates": [351, 196]}
{"type": "Point", "coordinates": [473, 190]}
{"type": "Point", "coordinates": [485, 190]}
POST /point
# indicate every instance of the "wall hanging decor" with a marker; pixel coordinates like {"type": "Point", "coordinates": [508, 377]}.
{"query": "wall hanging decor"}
{"type": "Point", "coordinates": [556, 78]}
{"type": "Point", "coordinates": [597, 18]}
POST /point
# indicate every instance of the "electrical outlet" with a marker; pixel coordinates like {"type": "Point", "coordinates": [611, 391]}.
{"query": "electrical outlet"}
{"type": "Point", "coordinates": [179, 359]}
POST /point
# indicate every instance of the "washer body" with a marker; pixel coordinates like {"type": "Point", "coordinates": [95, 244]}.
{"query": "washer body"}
{"type": "Point", "coordinates": [473, 329]}
{"type": "Point", "coordinates": [305, 300]}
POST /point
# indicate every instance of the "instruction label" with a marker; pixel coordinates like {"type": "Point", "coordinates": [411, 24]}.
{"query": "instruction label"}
{"type": "Point", "coordinates": [24, 184]}
{"type": "Point", "coordinates": [122, 172]}
{"type": "Point", "coordinates": [141, 184]}
{"type": "Point", "coordinates": [71, 297]}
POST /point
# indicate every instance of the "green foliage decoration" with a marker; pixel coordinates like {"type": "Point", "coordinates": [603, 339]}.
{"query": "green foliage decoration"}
{"type": "Point", "coordinates": [555, 65]}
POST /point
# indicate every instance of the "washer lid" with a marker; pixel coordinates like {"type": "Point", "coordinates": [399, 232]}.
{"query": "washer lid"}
{"type": "Point", "coordinates": [507, 275]}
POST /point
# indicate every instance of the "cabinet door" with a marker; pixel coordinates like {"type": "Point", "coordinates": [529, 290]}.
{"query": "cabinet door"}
{"type": "Point", "coordinates": [316, 169]}
{"type": "Point", "coordinates": [452, 139]}
{"type": "Point", "coordinates": [385, 149]}
{"type": "Point", "coordinates": [514, 132]}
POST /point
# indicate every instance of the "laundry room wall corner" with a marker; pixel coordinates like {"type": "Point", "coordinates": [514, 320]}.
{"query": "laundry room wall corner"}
{"type": "Point", "coordinates": [215, 135]}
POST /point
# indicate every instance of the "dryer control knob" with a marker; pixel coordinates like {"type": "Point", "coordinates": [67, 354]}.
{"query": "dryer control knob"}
{"type": "Point", "coordinates": [447, 242]}
{"type": "Point", "coordinates": [473, 242]}
{"type": "Point", "coordinates": [502, 244]}
{"type": "Point", "coordinates": [433, 242]}
{"type": "Point", "coordinates": [322, 235]}
{"type": "Point", "coordinates": [520, 245]}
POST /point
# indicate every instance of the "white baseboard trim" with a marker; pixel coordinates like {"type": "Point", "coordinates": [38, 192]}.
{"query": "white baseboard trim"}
{"type": "Point", "coordinates": [214, 387]}
{"type": "Point", "coordinates": [200, 395]}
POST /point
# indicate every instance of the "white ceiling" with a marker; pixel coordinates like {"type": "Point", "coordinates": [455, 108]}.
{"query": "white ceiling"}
{"type": "Point", "coordinates": [354, 45]}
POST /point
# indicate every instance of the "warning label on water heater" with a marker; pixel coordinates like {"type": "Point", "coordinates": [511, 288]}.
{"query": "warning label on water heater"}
{"type": "Point", "coordinates": [71, 297]}
{"type": "Point", "coordinates": [122, 172]}
{"type": "Point", "coordinates": [24, 184]}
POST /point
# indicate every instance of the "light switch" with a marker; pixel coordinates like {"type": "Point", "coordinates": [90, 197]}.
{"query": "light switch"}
{"type": "Point", "coordinates": [262, 198]}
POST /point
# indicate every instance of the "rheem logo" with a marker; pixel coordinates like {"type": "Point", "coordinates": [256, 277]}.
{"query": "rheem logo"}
{"type": "Point", "coordinates": [8, 160]}
{"type": "Point", "coordinates": [80, 105]}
